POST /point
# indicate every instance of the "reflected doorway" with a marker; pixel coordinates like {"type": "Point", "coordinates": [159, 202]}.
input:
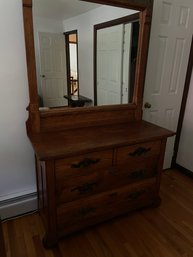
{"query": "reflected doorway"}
{"type": "Point", "coordinates": [71, 38]}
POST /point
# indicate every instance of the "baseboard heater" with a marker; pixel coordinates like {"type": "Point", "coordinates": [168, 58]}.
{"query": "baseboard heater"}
{"type": "Point", "coordinates": [18, 205]}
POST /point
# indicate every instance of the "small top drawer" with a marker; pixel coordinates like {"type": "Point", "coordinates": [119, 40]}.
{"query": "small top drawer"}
{"type": "Point", "coordinates": [83, 164]}
{"type": "Point", "coordinates": [138, 151]}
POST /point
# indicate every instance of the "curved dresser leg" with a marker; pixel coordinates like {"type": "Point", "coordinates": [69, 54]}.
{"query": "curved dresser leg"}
{"type": "Point", "coordinates": [156, 203]}
{"type": "Point", "coordinates": [49, 242]}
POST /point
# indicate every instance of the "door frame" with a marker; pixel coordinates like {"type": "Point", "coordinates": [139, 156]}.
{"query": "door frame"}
{"type": "Point", "coordinates": [182, 113]}
{"type": "Point", "coordinates": [67, 34]}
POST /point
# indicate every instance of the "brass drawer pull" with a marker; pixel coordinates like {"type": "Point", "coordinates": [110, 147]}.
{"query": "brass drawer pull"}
{"type": "Point", "coordinates": [135, 195]}
{"type": "Point", "coordinates": [84, 163]}
{"type": "Point", "coordinates": [137, 174]}
{"type": "Point", "coordinates": [85, 188]}
{"type": "Point", "coordinates": [139, 151]}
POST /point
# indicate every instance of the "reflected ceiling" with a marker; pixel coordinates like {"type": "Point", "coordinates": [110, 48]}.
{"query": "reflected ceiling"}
{"type": "Point", "coordinates": [61, 9]}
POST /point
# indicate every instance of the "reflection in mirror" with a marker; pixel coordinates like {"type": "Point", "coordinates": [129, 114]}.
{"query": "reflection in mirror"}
{"type": "Point", "coordinates": [51, 20]}
{"type": "Point", "coordinates": [71, 39]}
{"type": "Point", "coordinates": [116, 44]}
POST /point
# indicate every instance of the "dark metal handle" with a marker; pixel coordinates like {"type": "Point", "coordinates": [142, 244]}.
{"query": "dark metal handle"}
{"type": "Point", "coordinates": [137, 174]}
{"type": "Point", "coordinates": [43, 76]}
{"type": "Point", "coordinates": [85, 188]}
{"type": "Point", "coordinates": [135, 195]}
{"type": "Point", "coordinates": [84, 211]}
{"type": "Point", "coordinates": [84, 163]}
{"type": "Point", "coordinates": [139, 151]}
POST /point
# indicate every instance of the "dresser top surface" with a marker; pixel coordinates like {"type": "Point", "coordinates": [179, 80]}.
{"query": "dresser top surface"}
{"type": "Point", "coordinates": [55, 145]}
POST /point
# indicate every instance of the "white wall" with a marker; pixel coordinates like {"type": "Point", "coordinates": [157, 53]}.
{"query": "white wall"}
{"type": "Point", "coordinates": [84, 24]}
{"type": "Point", "coordinates": [184, 156]}
{"type": "Point", "coordinates": [17, 171]}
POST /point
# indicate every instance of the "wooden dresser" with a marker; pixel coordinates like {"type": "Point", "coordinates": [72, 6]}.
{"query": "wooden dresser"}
{"type": "Point", "coordinates": [94, 163]}
{"type": "Point", "coordinates": [97, 174]}
{"type": "Point", "coordinates": [2, 242]}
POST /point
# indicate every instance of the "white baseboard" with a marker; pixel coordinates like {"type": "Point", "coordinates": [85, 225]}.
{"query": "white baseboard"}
{"type": "Point", "coordinates": [18, 205]}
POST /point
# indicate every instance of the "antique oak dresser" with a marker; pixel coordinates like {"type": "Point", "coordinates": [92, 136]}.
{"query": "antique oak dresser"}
{"type": "Point", "coordinates": [94, 163]}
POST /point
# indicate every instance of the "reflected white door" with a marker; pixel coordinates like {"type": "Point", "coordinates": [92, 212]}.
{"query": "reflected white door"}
{"type": "Point", "coordinates": [126, 63]}
{"type": "Point", "coordinates": [109, 65]}
{"type": "Point", "coordinates": [170, 43]}
{"type": "Point", "coordinates": [53, 69]}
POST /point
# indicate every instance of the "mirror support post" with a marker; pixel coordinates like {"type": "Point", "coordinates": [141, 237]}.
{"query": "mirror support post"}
{"type": "Point", "coordinates": [33, 123]}
{"type": "Point", "coordinates": [145, 27]}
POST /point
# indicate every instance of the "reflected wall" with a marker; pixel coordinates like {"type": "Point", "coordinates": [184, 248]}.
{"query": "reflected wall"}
{"type": "Point", "coordinates": [85, 25]}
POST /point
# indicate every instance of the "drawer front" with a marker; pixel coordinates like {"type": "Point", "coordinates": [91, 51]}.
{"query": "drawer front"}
{"type": "Point", "coordinates": [105, 205]}
{"type": "Point", "coordinates": [137, 152]}
{"type": "Point", "coordinates": [69, 189]}
{"type": "Point", "coordinates": [83, 164]}
{"type": "Point", "coordinates": [102, 180]}
{"type": "Point", "coordinates": [133, 171]}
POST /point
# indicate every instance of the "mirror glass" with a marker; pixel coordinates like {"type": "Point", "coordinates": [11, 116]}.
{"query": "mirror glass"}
{"type": "Point", "coordinates": [116, 44]}
{"type": "Point", "coordinates": [99, 69]}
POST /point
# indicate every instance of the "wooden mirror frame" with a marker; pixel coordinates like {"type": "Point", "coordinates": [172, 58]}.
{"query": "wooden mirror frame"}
{"type": "Point", "coordinates": [68, 118]}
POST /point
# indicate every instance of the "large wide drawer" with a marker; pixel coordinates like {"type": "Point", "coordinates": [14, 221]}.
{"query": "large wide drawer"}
{"type": "Point", "coordinates": [138, 152]}
{"type": "Point", "coordinates": [106, 205]}
{"type": "Point", "coordinates": [83, 164]}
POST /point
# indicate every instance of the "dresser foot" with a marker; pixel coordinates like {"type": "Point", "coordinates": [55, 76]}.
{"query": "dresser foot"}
{"type": "Point", "coordinates": [156, 202]}
{"type": "Point", "coordinates": [49, 243]}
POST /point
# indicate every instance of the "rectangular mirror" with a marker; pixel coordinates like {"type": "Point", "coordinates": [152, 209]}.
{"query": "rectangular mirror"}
{"type": "Point", "coordinates": [97, 76]}
{"type": "Point", "coordinates": [45, 16]}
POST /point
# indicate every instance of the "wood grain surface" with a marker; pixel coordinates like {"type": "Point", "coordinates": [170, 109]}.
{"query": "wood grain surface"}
{"type": "Point", "coordinates": [80, 141]}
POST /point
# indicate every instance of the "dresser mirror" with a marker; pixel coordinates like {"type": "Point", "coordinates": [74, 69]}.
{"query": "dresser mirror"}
{"type": "Point", "coordinates": [64, 63]}
{"type": "Point", "coordinates": [131, 16]}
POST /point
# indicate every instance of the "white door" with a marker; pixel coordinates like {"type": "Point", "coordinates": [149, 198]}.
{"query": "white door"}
{"type": "Point", "coordinates": [126, 63]}
{"type": "Point", "coordinates": [109, 65]}
{"type": "Point", "coordinates": [53, 69]}
{"type": "Point", "coordinates": [170, 43]}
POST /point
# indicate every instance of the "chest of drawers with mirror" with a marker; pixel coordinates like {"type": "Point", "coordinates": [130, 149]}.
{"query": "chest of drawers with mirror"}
{"type": "Point", "coordinates": [94, 163]}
